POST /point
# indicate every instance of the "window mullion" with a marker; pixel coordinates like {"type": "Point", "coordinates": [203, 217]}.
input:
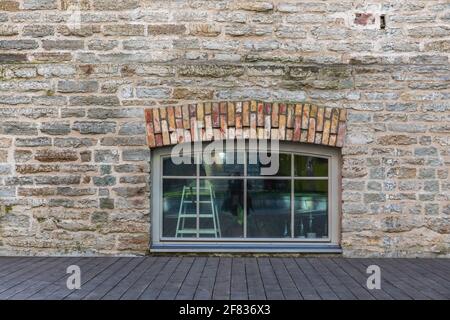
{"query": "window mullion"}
{"type": "Point", "coordinates": [292, 196]}
{"type": "Point", "coordinates": [245, 194]}
{"type": "Point", "coordinates": [197, 179]}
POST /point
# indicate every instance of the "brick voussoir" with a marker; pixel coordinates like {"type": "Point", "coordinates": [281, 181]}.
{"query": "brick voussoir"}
{"type": "Point", "coordinates": [208, 121]}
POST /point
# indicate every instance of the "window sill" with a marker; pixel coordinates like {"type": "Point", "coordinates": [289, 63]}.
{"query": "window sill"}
{"type": "Point", "coordinates": [275, 248]}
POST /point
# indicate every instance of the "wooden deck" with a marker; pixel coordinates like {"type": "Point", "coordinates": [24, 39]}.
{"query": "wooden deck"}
{"type": "Point", "coordinates": [222, 278]}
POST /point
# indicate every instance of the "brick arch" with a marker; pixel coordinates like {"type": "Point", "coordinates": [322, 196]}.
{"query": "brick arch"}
{"type": "Point", "coordinates": [208, 121]}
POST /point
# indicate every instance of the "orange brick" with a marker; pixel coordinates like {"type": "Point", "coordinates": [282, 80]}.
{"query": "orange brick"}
{"type": "Point", "coordinates": [246, 114]}
{"type": "Point", "coordinates": [171, 118]}
{"type": "Point", "coordinates": [320, 115]}
{"type": "Point", "coordinates": [305, 116]}
{"type": "Point", "coordinates": [156, 121]}
{"type": "Point", "coordinates": [334, 120]}
{"type": "Point", "coordinates": [311, 130]}
{"type": "Point", "coordinates": [231, 113]}
{"type": "Point", "coordinates": [275, 115]}
{"type": "Point", "coordinates": [341, 134]}
{"type": "Point", "coordinates": [215, 115]}
{"type": "Point", "coordinates": [186, 122]}
{"type": "Point", "coordinates": [260, 118]}
{"type": "Point", "coordinates": [290, 116]}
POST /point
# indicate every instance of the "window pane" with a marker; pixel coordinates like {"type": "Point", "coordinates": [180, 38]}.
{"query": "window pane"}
{"type": "Point", "coordinates": [223, 164]}
{"type": "Point", "coordinates": [305, 166]}
{"type": "Point", "coordinates": [222, 208]}
{"type": "Point", "coordinates": [268, 208]}
{"type": "Point", "coordinates": [179, 208]}
{"type": "Point", "coordinates": [278, 165]}
{"type": "Point", "coordinates": [311, 209]}
{"type": "Point", "coordinates": [186, 168]}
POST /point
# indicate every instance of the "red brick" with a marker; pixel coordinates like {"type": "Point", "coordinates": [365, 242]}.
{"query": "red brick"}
{"type": "Point", "coordinates": [215, 115]}
{"type": "Point", "coordinates": [156, 121]}
{"type": "Point", "coordinates": [171, 118]}
{"type": "Point", "coordinates": [275, 115]}
{"type": "Point", "coordinates": [290, 116]}
{"type": "Point", "coordinates": [260, 121]}
{"type": "Point", "coordinates": [231, 113]}
{"type": "Point", "coordinates": [186, 122]}
{"type": "Point", "coordinates": [246, 114]}
{"type": "Point", "coordinates": [305, 116]}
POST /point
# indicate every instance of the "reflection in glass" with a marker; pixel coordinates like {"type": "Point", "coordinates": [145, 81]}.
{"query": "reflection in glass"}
{"type": "Point", "coordinates": [255, 164]}
{"type": "Point", "coordinates": [311, 209]}
{"type": "Point", "coordinates": [182, 169]}
{"type": "Point", "coordinates": [223, 164]}
{"type": "Point", "coordinates": [221, 208]}
{"type": "Point", "coordinates": [179, 208]}
{"type": "Point", "coordinates": [268, 208]}
{"type": "Point", "coordinates": [305, 166]}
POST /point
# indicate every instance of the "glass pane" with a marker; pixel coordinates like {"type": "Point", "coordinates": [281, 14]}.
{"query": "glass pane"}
{"type": "Point", "coordinates": [223, 164]}
{"type": "Point", "coordinates": [275, 165]}
{"type": "Point", "coordinates": [179, 167]}
{"type": "Point", "coordinates": [179, 208]}
{"type": "Point", "coordinates": [305, 166]}
{"type": "Point", "coordinates": [311, 209]}
{"type": "Point", "coordinates": [268, 208]}
{"type": "Point", "coordinates": [222, 208]}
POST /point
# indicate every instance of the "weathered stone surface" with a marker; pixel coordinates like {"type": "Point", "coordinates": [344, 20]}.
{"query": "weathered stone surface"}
{"type": "Point", "coordinates": [18, 128]}
{"type": "Point", "coordinates": [77, 86]}
{"type": "Point", "coordinates": [55, 128]}
{"type": "Point", "coordinates": [50, 155]}
{"type": "Point", "coordinates": [104, 181]}
{"type": "Point", "coordinates": [73, 131]}
{"type": "Point", "coordinates": [94, 127]}
{"type": "Point", "coordinates": [108, 156]}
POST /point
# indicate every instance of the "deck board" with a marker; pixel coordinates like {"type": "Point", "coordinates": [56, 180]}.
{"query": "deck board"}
{"type": "Point", "coordinates": [236, 278]}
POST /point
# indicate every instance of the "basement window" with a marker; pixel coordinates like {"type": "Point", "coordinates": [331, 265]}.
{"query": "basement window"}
{"type": "Point", "coordinates": [232, 204]}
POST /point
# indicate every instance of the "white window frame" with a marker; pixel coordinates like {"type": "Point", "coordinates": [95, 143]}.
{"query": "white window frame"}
{"type": "Point", "coordinates": [329, 245]}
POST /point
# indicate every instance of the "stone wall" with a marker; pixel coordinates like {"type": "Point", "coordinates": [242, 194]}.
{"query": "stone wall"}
{"type": "Point", "coordinates": [76, 75]}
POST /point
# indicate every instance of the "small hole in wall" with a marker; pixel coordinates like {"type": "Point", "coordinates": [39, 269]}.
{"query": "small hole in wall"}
{"type": "Point", "coordinates": [382, 22]}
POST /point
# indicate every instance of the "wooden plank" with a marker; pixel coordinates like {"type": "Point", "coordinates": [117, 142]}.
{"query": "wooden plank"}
{"type": "Point", "coordinates": [435, 266]}
{"type": "Point", "coordinates": [28, 280]}
{"type": "Point", "coordinates": [98, 279]}
{"type": "Point", "coordinates": [290, 291]}
{"type": "Point", "coordinates": [386, 287]}
{"type": "Point", "coordinates": [16, 277]}
{"type": "Point", "coordinates": [331, 280]}
{"type": "Point", "coordinates": [207, 280]}
{"type": "Point", "coordinates": [98, 268]}
{"type": "Point", "coordinates": [108, 284]}
{"type": "Point", "coordinates": [430, 269]}
{"type": "Point", "coordinates": [190, 284]}
{"type": "Point", "coordinates": [398, 279]}
{"type": "Point", "coordinates": [85, 264]}
{"type": "Point", "coordinates": [238, 280]}
{"type": "Point", "coordinates": [347, 279]}
{"type": "Point", "coordinates": [124, 284]}
{"type": "Point", "coordinates": [255, 286]}
{"type": "Point", "coordinates": [223, 280]}
{"type": "Point", "coordinates": [423, 282]}
{"type": "Point", "coordinates": [316, 280]}
{"type": "Point", "coordinates": [151, 273]}
{"type": "Point", "coordinates": [6, 262]}
{"type": "Point", "coordinates": [154, 289]}
{"type": "Point", "coordinates": [357, 269]}
{"type": "Point", "coordinates": [402, 280]}
{"type": "Point", "coordinates": [17, 265]}
{"type": "Point", "coordinates": [46, 279]}
{"type": "Point", "coordinates": [302, 282]}
{"type": "Point", "coordinates": [270, 281]}
{"type": "Point", "coordinates": [173, 285]}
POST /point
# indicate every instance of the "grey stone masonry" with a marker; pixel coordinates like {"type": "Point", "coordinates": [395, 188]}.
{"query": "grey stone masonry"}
{"type": "Point", "coordinates": [76, 76]}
